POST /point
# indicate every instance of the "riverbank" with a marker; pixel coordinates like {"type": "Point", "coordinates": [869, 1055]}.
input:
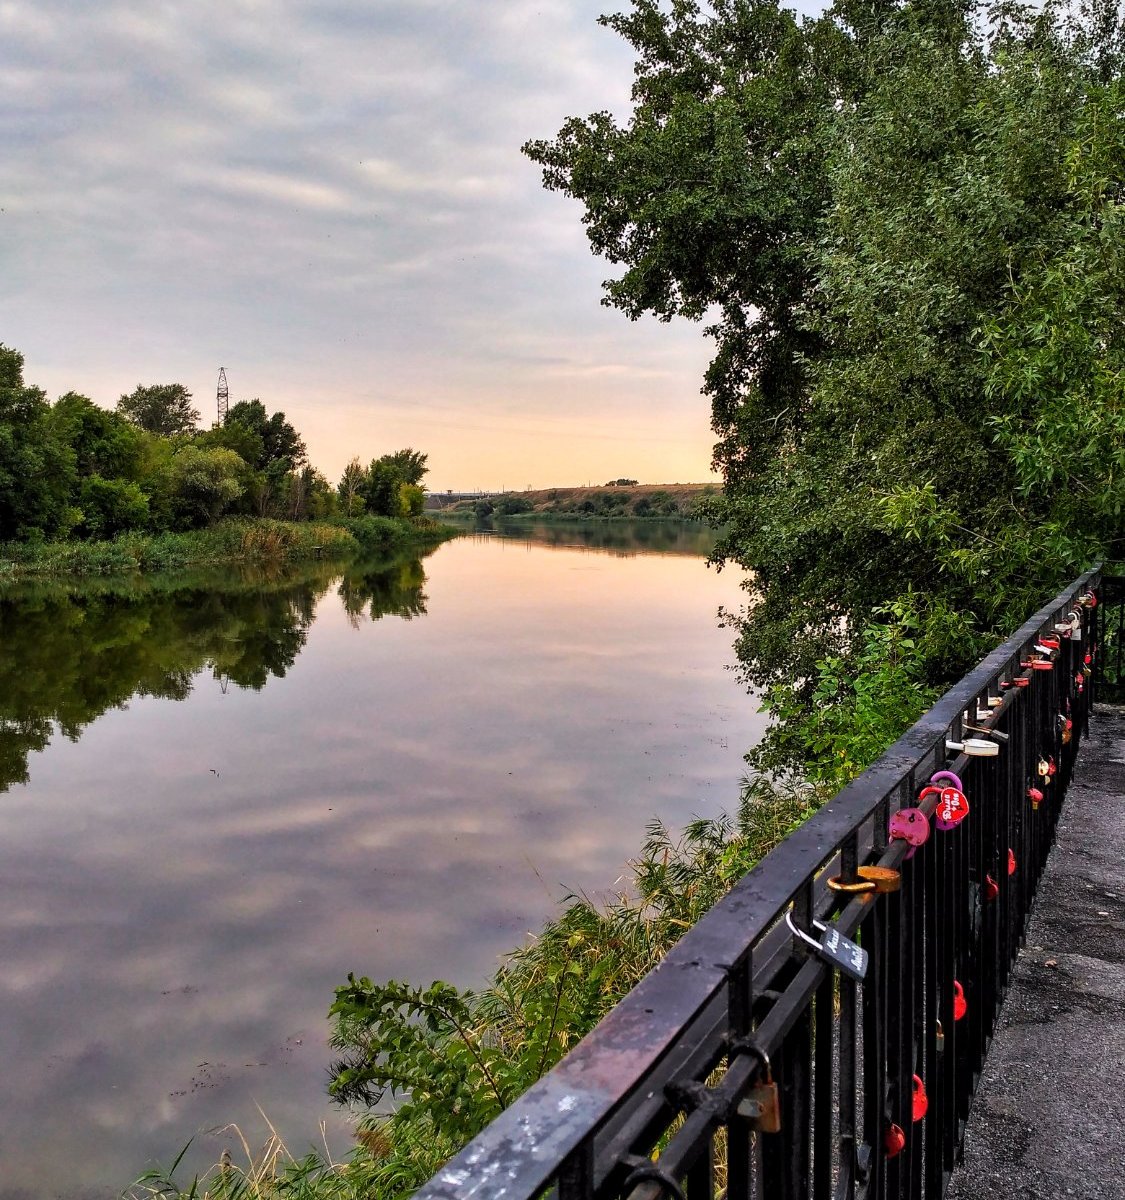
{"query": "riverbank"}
{"type": "Point", "coordinates": [235, 541]}
{"type": "Point", "coordinates": [644, 501]}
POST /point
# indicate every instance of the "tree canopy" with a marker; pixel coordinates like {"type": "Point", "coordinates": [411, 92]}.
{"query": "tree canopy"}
{"type": "Point", "coordinates": [901, 222]}
{"type": "Point", "coordinates": [163, 408]}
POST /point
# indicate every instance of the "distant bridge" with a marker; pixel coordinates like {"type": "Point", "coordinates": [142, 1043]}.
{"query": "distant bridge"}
{"type": "Point", "coordinates": [445, 499]}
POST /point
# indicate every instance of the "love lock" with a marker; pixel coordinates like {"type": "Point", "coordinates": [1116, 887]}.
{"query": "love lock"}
{"type": "Point", "coordinates": [1066, 728]}
{"type": "Point", "coordinates": [960, 1004]}
{"type": "Point", "coordinates": [1052, 768]}
{"type": "Point", "coordinates": [868, 881]}
{"type": "Point", "coordinates": [1080, 682]}
{"type": "Point", "coordinates": [909, 825]}
{"type": "Point", "coordinates": [834, 948]}
{"type": "Point", "coordinates": [939, 1037]}
{"type": "Point", "coordinates": [1036, 798]}
{"type": "Point", "coordinates": [1049, 643]}
{"type": "Point", "coordinates": [1044, 769]}
{"type": "Point", "coordinates": [974, 747]}
{"type": "Point", "coordinates": [952, 806]}
{"type": "Point", "coordinates": [1088, 600]}
{"type": "Point", "coordinates": [762, 1104]}
{"type": "Point", "coordinates": [1011, 861]}
{"type": "Point", "coordinates": [1038, 664]}
{"type": "Point", "coordinates": [919, 1100]}
{"type": "Point", "coordinates": [894, 1141]}
{"type": "Point", "coordinates": [991, 888]}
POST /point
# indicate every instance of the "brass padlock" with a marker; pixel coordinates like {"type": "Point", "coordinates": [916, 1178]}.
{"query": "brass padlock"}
{"type": "Point", "coordinates": [762, 1103]}
{"type": "Point", "coordinates": [940, 1037]}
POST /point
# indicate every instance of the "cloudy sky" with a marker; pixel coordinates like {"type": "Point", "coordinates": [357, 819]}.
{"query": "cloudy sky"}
{"type": "Point", "coordinates": [327, 198]}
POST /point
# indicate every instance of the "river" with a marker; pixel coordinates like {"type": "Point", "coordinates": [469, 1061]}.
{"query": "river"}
{"type": "Point", "coordinates": [222, 793]}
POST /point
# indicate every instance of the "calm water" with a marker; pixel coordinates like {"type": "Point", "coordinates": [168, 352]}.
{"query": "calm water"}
{"type": "Point", "coordinates": [218, 799]}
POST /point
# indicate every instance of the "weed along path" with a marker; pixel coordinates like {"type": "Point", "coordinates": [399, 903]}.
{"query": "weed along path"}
{"type": "Point", "coordinates": [221, 796]}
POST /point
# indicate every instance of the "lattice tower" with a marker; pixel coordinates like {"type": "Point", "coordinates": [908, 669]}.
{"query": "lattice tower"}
{"type": "Point", "coordinates": [223, 395]}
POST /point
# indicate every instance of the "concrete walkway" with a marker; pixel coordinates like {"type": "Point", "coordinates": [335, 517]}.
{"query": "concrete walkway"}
{"type": "Point", "coordinates": [1048, 1121]}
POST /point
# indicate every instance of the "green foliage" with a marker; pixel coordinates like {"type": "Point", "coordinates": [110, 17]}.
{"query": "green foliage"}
{"type": "Point", "coordinates": [37, 467]}
{"type": "Point", "coordinates": [904, 225]}
{"type": "Point", "coordinates": [163, 408]}
{"type": "Point", "coordinates": [411, 500]}
{"type": "Point", "coordinates": [350, 489]}
{"type": "Point", "coordinates": [509, 506]}
{"type": "Point", "coordinates": [277, 442]}
{"type": "Point", "coordinates": [410, 464]}
{"type": "Point", "coordinates": [203, 484]}
{"type": "Point", "coordinates": [111, 506]}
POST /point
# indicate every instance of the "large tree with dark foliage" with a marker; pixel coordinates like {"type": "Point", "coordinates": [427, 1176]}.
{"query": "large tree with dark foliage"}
{"type": "Point", "coordinates": [901, 222]}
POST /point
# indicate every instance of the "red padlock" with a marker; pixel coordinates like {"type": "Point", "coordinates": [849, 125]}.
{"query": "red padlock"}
{"type": "Point", "coordinates": [920, 1102]}
{"type": "Point", "coordinates": [1052, 768]}
{"type": "Point", "coordinates": [1088, 659]}
{"type": "Point", "coordinates": [952, 807]}
{"type": "Point", "coordinates": [960, 1004]}
{"type": "Point", "coordinates": [1035, 796]}
{"type": "Point", "coordinates": [1011, 861]}
{"type": "Point", "coordinates": [894, 1141]}
{"type": "Point", "coordinates": [991, 888]}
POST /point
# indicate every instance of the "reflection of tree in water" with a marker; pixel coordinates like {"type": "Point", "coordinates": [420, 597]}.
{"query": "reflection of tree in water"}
{"type": "Point", "coordinates": [620, 537]}
{"type": "Point", "coordinates": [67, 657]}
{"type": "Point", "coordinates": [384, 589]}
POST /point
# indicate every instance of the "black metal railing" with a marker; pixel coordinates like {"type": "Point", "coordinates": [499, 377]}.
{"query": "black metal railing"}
{"type": "Point", "coordinates": [671, 1094]}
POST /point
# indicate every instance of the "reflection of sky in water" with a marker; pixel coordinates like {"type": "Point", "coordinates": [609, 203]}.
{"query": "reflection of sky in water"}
{"type": "Point", "coordinates": [409, 801]}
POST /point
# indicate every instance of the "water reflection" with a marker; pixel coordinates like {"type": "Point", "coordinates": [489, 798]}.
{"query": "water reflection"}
{"type": "Point", "coordinates": [625, 538]}
{"type": "Point", "coordinates": [437, 754]}
{"type": "Point", "coordinates": [68, 655]}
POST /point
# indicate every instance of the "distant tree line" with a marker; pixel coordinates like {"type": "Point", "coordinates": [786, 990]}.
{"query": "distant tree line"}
{"type": "Point", "coordinates": [75, 470]}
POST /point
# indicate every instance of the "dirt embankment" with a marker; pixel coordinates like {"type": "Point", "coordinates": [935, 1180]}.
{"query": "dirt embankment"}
{"type": "Point", "coordinates": [613, 500]}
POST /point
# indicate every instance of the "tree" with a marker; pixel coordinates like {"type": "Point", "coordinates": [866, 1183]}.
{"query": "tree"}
{"type": "Point", "coordinates": [410, 464]}
{"type": "Point", "coordinates": [203, 484]}
{"type": "Point", "coordinates": [281, 444]}
{"type": "Point", "coordinates": [163, 408]}
{"type": "Point", "coordinates": [872, 203]}
{"type": "Point", "coordinates": [350, 487]}
{"type": "Point", "coordinates": [37, 469]}
{"type": "Point", "coordinates": [104, 442]}
{"type": "Point", "coordinates": [382, 489]}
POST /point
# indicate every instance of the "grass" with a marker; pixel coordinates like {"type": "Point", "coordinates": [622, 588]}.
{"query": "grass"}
{"type": "Point", "coordinates": [238, 540]}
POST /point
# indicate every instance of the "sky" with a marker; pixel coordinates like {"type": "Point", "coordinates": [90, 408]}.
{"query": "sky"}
{"type": "Point", "coordinates": [328, 199]}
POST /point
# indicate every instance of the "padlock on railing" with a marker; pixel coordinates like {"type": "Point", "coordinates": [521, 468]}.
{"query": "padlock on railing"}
{"type": "Point", "coordinates": [1011, 861]}
{"type": "Point", "coordinates": [960, 1004]}
{"type": "Point", "coordinates": [919, 1101]}
{"type": "Point", "coordinates": [762, 1103]}
{"type": "Point", "coordinates": [834, 948]}
{"type": "Point", "coordinates": [894, 1141]}
{"type": "Point", "coordinates": [1036, 798]}
{"type": "Point", "coordinates": [910, 825]}
{"type": "Point", "coordinates": [991, 888]}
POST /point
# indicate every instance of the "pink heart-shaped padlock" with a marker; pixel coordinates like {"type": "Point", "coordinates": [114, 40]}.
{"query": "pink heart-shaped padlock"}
{"type": "Point", "coordinates": [910, 825]}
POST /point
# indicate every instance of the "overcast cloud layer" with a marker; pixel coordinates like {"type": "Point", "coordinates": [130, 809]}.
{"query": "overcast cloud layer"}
{"type": "Point", "coordinates": [328, 199]}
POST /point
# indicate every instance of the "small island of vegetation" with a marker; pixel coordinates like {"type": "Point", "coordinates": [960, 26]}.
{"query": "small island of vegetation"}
{"type": "Point", "coordinates": [86, 490]}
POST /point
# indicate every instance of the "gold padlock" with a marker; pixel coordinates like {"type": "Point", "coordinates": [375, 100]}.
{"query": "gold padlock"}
{"type": "Point", "coordinates": [762, 1103]}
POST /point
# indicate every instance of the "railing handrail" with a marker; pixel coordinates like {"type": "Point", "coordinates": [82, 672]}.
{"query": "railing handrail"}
{"type": "Point", "coordinates": [521, 1151]}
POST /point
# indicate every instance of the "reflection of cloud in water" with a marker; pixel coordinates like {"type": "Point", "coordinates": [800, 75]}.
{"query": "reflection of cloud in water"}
{"type": "Point", "coordinates": [408, 801]}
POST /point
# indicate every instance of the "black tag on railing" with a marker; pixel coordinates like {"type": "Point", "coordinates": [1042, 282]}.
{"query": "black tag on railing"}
{"type": "Point", "coordinates": [842, 952]}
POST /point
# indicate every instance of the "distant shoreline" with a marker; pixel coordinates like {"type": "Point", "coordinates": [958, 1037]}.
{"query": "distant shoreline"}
{"type": "Point", "coordinates": [632, 501]}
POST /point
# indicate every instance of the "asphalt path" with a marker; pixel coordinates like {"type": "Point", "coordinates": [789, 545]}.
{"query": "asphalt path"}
{"type": "Point", "coordinates": [1048, 1120]}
